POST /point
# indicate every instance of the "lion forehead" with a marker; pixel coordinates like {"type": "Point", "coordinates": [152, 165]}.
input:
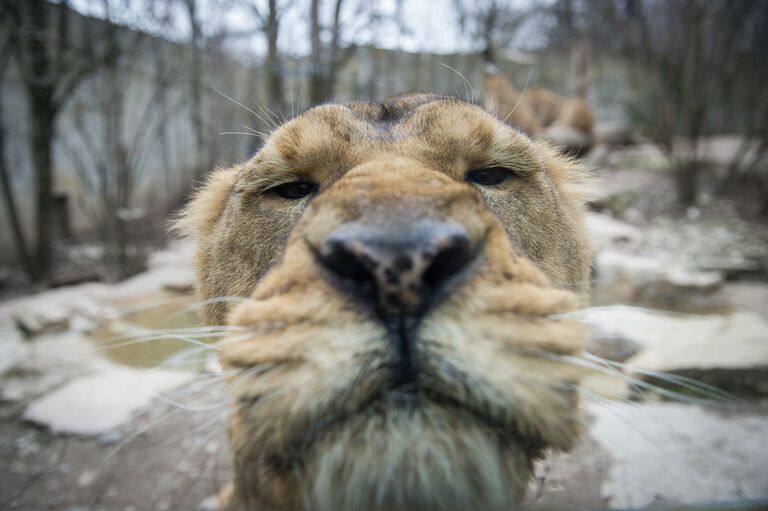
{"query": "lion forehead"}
{"type": "Point", "coordinates": [443, 132]}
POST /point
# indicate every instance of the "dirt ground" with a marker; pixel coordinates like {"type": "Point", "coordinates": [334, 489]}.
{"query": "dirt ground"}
{"type": "Point", "coordinates": [164, 459]}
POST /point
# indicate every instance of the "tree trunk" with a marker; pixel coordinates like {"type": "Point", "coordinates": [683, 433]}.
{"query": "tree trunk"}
{"type": "Point", "coordinates": [581, 56]}
{"type": "Point", "coordinates": [687, 181]}
{"type": "Point", "coordinates": [40, 88]}
{"type": "Point", "coordinates": [43, 116]}
{"type": "Point", "coordinates": [12, 210]}
{"type": "Point", "coordinates": [274, 73]}
{"type": "Point", "coordinates": [196, 106]}
{"type": "Point", "coordinates": [317, 92]}
{"type": "Point", "coordinates": [335, 59]}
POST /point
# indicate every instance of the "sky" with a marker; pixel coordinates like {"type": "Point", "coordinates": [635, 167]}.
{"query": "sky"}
{"type": "Point", "coordinates": [429, 25]}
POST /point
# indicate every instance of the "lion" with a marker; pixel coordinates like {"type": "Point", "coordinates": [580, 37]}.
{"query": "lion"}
{"type": "Point", "coordinates": [395, 276]}
{"type": "Point", "coordinates": [541, 113]}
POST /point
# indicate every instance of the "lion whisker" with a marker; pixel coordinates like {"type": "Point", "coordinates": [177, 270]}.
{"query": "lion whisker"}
{"type": "Point", "coordinates": [264, 136]}
{"type": "Point", "coordinates": [140, 332]}
{"type": "Point", "coordinates": [683, 381]}
{"type": "Point", "coordinates": [522, 93]}
{"type": "Point", "coordinates": [192, 408]}
{"type": "Point", "coordinates": [202, 303]}
{"type": "Point", "coordinates": [467, 85]}
{"type": "Point", "coordinates": [242, 105]}
{"type": "Point", "coordinates": [578, 361]}
{"type": "Point", "coordinates": [161, 335]}
{"type": "Point", "coordinates": [272, 115]}
{"type": "Point", "coordinates": [240, 133]}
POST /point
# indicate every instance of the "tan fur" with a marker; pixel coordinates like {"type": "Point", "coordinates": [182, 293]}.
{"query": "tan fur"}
{"type": "Point", "coordinates": [542, 113]}
{"type": "Point", "coordinates": [315, 424]}
{"type": "Point", "coordinates": [503, 97]}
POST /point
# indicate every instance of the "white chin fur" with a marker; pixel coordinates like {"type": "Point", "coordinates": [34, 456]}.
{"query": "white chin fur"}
{"type": "Point", "coordinates": [425, 459]}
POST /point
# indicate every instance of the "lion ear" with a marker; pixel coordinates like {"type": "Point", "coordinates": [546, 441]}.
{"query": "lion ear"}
{"type": "Point", "coordinates": [575, 180]}
{"type": "Point", "coordinates": [200, 215]}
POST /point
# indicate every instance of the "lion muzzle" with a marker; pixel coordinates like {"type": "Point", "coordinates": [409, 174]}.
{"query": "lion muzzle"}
{"type": "Point", "coordinates": [398, 269]}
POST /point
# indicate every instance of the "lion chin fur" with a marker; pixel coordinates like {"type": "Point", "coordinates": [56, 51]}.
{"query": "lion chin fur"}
{"type": "Point", "coordinates": [350, 398]}
{"type": "Point", "coordinates": [414, 459]}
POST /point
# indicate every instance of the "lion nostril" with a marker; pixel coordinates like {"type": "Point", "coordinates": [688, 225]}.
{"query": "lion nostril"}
{"type": "Point", "coordinates": [344, 261]}
{"type": "Point", "coordinates": [452, 256]}
{"type": "Point", "coordinates": [397, 270]}
{"type": "Point", "coordinates": [403, 262]}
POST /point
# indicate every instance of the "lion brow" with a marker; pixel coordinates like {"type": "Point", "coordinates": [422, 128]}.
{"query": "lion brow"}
{"type": "Point", "coordinates": [394, 109]}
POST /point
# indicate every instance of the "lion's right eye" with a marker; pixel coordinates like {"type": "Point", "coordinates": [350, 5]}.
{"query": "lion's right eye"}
{"type": "Point", "coordinates": [295, 190]}
{"type": "Point", "coordinates": [490, 176]}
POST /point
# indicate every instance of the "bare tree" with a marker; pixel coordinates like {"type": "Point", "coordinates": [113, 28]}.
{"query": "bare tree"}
{"type": "Point", "coordinates": [118, 131]}
{"type": "Point", "coordinates": [269, 24]}
{"type": "Point", "coordinates": [195, 79]}
{"type": "Point", "coordinates": [578, 26]}
{"type": "Point", "coordinates": [684, 49]}
{"type": "Point", "coordinates": [12, 209]}
{"type": "Point", "coordinates": [749, 96]}
{"type": "Point", "coordinates": [326, 64]}
{"type": "Point", "coordinates": [489, 23]}
{"type": "Point", "coordinates": [52, 62]}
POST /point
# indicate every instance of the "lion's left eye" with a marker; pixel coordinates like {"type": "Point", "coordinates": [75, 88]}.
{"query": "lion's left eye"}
{"type": "Point", "coordinates": [295, 190]}
{"type": "Point", "coordinates": [489, 176]}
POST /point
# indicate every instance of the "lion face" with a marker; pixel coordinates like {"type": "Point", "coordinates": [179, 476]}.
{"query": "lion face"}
{"type": "Point", "coordinates": [404, 264]}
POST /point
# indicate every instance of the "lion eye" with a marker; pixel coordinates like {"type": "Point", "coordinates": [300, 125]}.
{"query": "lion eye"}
{"type": "Point", "coordinates": [490, 176]}
{"type": "Point", "coordinates": [295, 190]}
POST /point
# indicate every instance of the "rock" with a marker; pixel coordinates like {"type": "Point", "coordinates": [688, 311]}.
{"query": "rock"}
{"type": "Point", "coordinates": [574, 141]}
{"type": "Point", "coordinates": [182, 286]}
{"type": "Point", "coordinates": [635, 455]}
{"type": "Point", "coordinates": [733, 269]}
{"type": "Point", "coordinates": [674, 453]}
{"type": "Point", "coordinates": [94, 404]}
{"type": "Point", "coordinates": [604, 344]}
{"type": "Point", "coordinates": [42, 320]}
{"type": "Point", "coordinates": [12, 347]}
{"type": "Point", "coordinates": [605, 231]}
{"type": "Point", "coordinates": [747, 296]}
{"type": "Point", "coordinates": [86, 478]}
{"type": "Point", "coordinates": [727, 351]}
{"type": "Point", "coordinates": [110, 437]}
{"type": "Point", "coordinates": [714, 349]}
{"type": "Point", "coordinates": [649, 281]}
{"type": "Point", "coordinates": [614, 133]}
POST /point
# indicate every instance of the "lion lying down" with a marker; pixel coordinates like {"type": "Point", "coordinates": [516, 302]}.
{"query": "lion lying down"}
{"type": "Point", "coordinates": [398, 348]}
{"type": "Point", "coordinates": [566, 122]}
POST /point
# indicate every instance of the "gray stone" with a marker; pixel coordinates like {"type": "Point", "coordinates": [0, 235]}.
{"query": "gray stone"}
{"type": "Point", "coordinates": [638, 279]}
{"type": "Point", "coordinates": [674, 453]}
{"type": "Point", "coordinates": [567, 137]}
{"type": "Point", "coordinates": [12, 347]}
{"type": "Point", "coordinates": [611, 347]}
{"type": "Point", "coordinates": [614, 133]}
{"type": "Point", "coordinates": [605, 231]}
{"type": "Point", "coordinates": [733, 268]}
{"type": "Point", "coordinates": [94, 404]}
{"type": "Point", "coordinates": [633, 455]}
{"type": "Point", "coordinates": [42, 320]}
{"type": "Point", "coordinates": [728, 351]}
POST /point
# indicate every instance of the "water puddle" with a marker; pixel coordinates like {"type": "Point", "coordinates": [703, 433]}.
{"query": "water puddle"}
{"type": "Point", "coordinates": [144, 333]}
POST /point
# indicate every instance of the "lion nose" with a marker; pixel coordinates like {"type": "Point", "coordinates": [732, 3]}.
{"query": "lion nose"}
{"type": "Point", "coordinates": [398, 270]}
